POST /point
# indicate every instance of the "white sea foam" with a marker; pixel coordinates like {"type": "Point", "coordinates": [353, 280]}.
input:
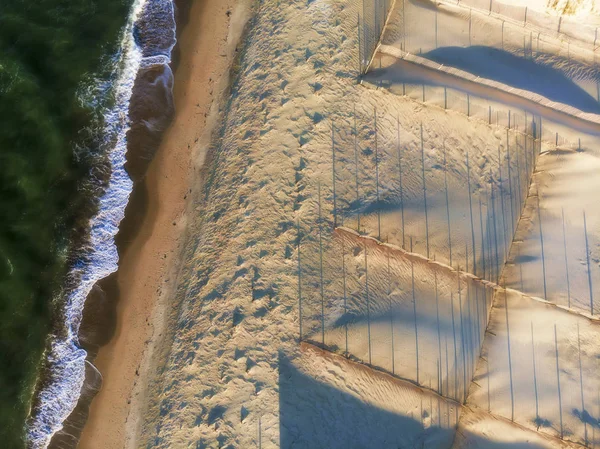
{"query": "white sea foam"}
{"type": "Point", "coordinates": [147, 41]}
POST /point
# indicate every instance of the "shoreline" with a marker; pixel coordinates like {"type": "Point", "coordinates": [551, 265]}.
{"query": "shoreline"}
{"type": "Point", "coordinates": [67, 381]}
{"type": "Point", "coordinates": [152, 252]}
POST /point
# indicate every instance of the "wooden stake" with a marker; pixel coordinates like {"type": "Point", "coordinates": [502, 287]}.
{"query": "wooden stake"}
{"type": "Point", "coordinates": [447, 203]}
{"type": "Point", "coordinates": [424, 192]}
{"type": "Point", "coordinates": [589, 269]}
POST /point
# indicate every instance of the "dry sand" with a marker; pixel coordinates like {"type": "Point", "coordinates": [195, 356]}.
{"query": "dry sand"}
{"type": "Point", "coordinates": [234, 375]}
{"type": "Point", "coordinates": [208, 47]}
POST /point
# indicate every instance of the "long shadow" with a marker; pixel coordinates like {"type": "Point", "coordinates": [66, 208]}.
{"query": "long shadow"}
{"type": "Point", "coordinates": [403, 317]}
{"type": "Point", "coordinates": [427, 324]}
{"type": "Point", "coordinates": [389, 203]}
{"type": "Point", "coordinates": [586, 417]}
{"type": "Point", "coordinates": [313, 415]}
{"type": "Point", "coordinates": [516, 71]}
{"type": "Point", "coordinates": [479, 442]}
{"type": "Point", "coordinates": [404, 71]}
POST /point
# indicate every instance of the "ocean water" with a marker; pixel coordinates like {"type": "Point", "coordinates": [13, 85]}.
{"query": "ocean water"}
{"type": "Point", "coordinates": [67, 70]}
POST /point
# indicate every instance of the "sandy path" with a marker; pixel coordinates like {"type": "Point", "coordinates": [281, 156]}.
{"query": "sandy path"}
{"type": "Point", "coordinates": [206, 55]}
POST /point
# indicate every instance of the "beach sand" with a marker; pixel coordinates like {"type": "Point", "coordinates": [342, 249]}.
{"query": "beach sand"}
{"type": "Point", "coordinates": [207, 48]}
{"type": "Point", "coordinates": [303, 146]}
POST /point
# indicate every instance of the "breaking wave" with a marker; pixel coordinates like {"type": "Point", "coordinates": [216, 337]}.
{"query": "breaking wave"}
{"type": "Point", "coordinates": [147, 41]}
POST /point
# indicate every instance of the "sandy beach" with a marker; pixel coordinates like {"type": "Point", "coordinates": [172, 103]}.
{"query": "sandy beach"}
{"type": "Point", "coordinates": [298, 208]}
{"type": "Point", "coordinates": [207, 48]}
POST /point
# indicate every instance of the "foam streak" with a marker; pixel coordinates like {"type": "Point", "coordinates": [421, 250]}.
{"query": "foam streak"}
{"type": "Point", "coordinates": [147, 41]}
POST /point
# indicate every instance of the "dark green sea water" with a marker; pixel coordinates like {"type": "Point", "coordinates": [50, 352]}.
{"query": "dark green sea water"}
{"type": "Point", "coordinates": [54, 57]}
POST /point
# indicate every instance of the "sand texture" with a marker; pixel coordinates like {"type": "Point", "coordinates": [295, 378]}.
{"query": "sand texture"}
{"type": "Point", "coordinates": [208, 48]}
{"type": "Point", "coordinates": [359, 266]}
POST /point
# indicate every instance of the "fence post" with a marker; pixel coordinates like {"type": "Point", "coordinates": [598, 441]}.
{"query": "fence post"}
{"type": "Point", "coordinates": [470, 14]}
{"type": "Point", "coordinates": [437, 310]}
{"type": "Point", "coordinates": [468, 316]}
{"type": "Point", "coordinates": [478, 322]}
{"type": "Point", "coordinates": [412, 269]}
{"type": "Point", "coordinates": [487, 365]}
{"type": "Point", "coordinates": [559, 22]}
{"type": "Point", "coordinates": [345, 293]}
{"type": "Point", "coordinates": [299, 281]}
{"type": "Point", "coordinates": [488, 235]}
{"type": "Point", "coordinates": [404, 25]}
{"type": "Point", "coordinates": [439, 388]}
{"type": "Point", "coordinates": [471, 329]}
{"type": "Point", "coordinates": [536, 149]}
{"type": "Point", "coordinates": [401, 188]}
{"type": "Point", "coordinates": [566, 257]}
{"type": "Point", "coordinates": [436, 27]}
{"type": "Point", "coordinates": [519, 175]}
{"type": "Point", "coordinates": [360, 56]}
{"type": "Point", "coordinates": [541, 135]}
{"type": "Point", "coordinates": [447, 372]}
{"type": "Point", "coordinates": [485, 299]}
{"type": "Point", "coordinates": [368, 305]}
{"type": "Point", "coordinates": [501, 188]}
{"type": "Point", "coordinates": [424, 192]}
{"type": "Point", "coordinates": [541, 242]}
{"type": "Point", "coordinates": [581, 387]}
{"type": "Point", "coordinates": [558, 382]}
{"type": "Point", "coordinates": [445, 98]}
{"type": "Point", "coordinates": [455, 349]}
{"type": "Point", "coordinates": [462, 337]}
{"type": "Point", "coordinates": [321, 269]}
{"type": "Point", "coordinates": [489, 115]}
{"type": "Point", "coordinates": [377, 178]}
{"type": "Point", "coordinates": [526, 167]}
{"type": "Point", "coordinates": [471, 213]}
{"type": "Point", "coordinates": [510, 192]}
{"type": "Point", "coordinates": [512, 396]}
{"type": "Point", "coordinates": [482, 241]}
{"type": "Point", "coordinates": [468, 105]}
{"type": "Point", "coordinates": [520, 269]}
{"type": "Point", "coordinates": [356, 171]}
{"type": "Point", "coordinates": [531, 45]}
{"type": "Point", "coordinates": [447, 203]}
{"type": "Point", "coordinates": [537, 404]}
{"type": "Point", "coordinates": [589, 270]}
{"type": "Point", "coordinates": [495, 234]}
{"type": "Point", "coordinates": [365, 35]}
{"type": "Point", "coordinates": [490, 239]}
{"type": "Point", "coordinates": [391, 310]}
{"type": "Point", "coordinates": [593, 427]}
{"type": "Point", "coordinates": [333, 170]}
